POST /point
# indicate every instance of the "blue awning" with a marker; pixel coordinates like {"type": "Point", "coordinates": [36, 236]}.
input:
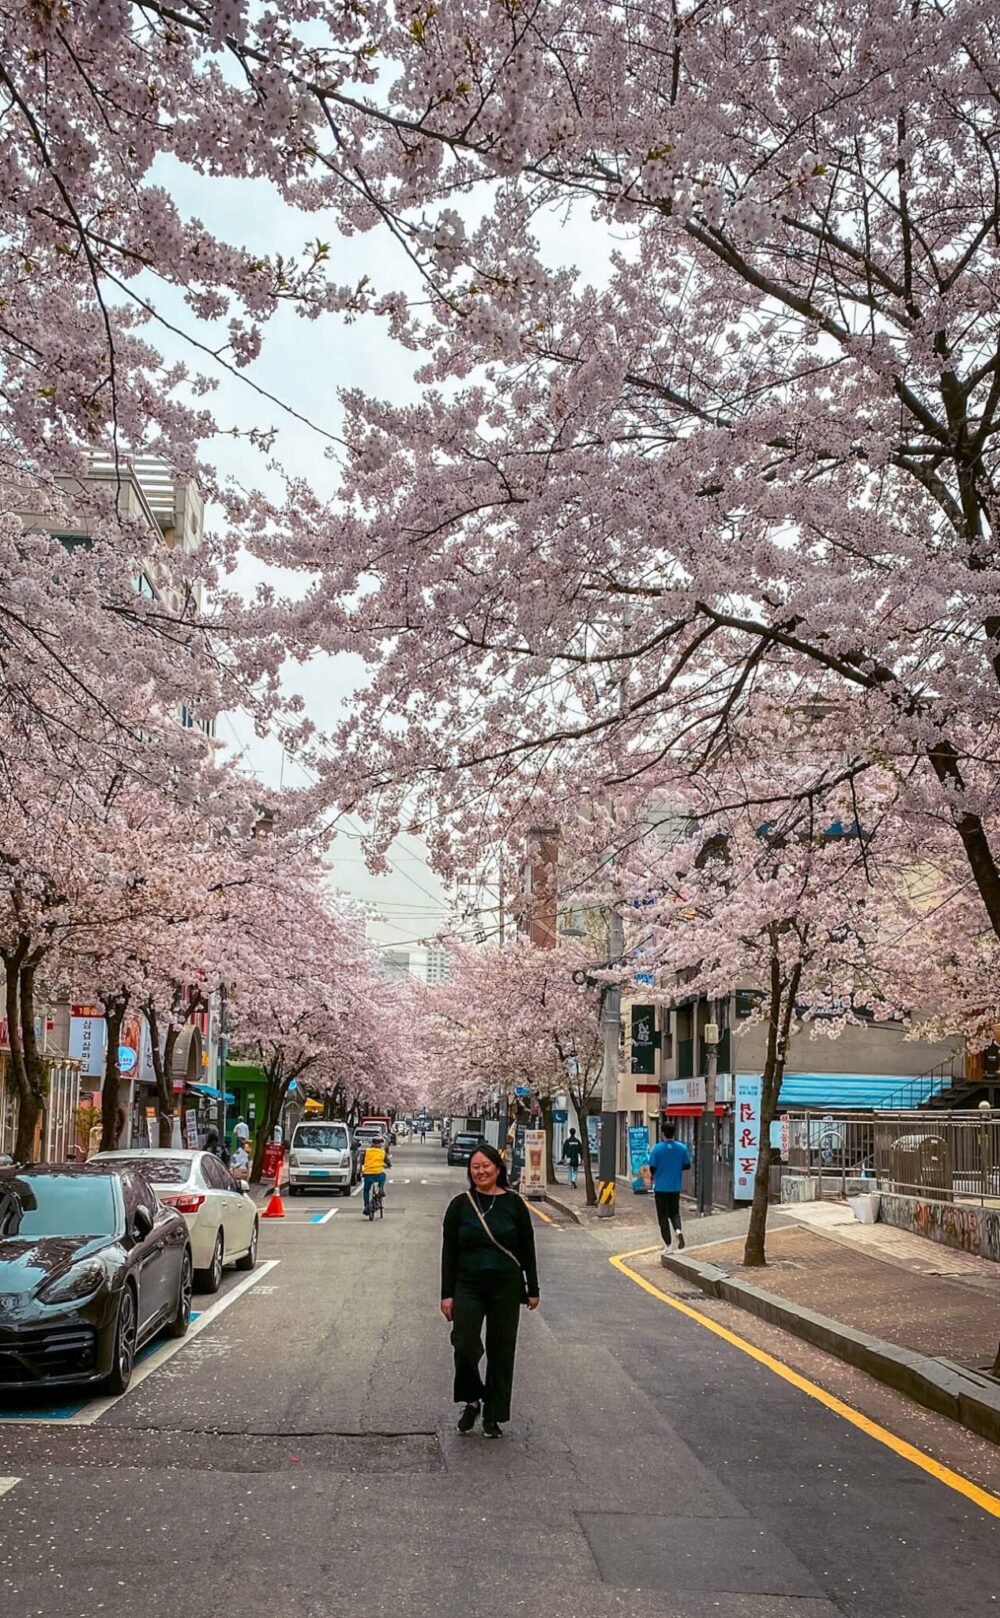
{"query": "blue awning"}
{"type": "Point", "coordinates": [209, 1090]}
{"type": "Point", "coordinates": [875, 1092]}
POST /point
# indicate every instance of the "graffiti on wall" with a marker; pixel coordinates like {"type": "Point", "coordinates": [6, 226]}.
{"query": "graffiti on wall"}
{"type": "Point", "coordinates": [969, 1230]}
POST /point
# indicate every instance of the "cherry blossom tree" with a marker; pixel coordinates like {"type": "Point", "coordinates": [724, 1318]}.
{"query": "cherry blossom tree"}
{"type": "Point", "coordinates": [512, 1014]}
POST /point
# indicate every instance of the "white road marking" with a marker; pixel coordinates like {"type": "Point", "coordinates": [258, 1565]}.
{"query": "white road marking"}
{"type": "Point", "coordinates": [98, 1407]}
{"type": "Point", "coordinates": [357, 1189]}
{"type": "Point", "coordinates": [322, 1219]}
{"type": "Point", "coordinates": [6, 1484]}
{"type": "Point", "coordinates": [425, 1182]}
{"type": "Point", "coordinates": [406, 1182]}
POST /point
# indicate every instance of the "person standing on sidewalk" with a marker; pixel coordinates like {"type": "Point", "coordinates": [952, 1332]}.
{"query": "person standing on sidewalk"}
{"type": "Point", "coordinates": [572, 1154]}
{"type": "Point", "coordinates": [667, 1163]}
{"type": "Point", "coordinates": [488, 1270]}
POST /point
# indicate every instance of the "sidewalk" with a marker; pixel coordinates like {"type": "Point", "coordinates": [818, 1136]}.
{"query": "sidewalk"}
{"type": "Point", "coordinates": [919, 1316]}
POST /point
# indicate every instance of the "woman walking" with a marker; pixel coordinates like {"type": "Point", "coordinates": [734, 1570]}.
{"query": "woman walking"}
{"type": "Point", "coordinates": [488, 1271]}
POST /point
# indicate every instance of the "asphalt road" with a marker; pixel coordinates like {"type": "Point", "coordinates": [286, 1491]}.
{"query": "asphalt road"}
{"type": "Point", "coordinates": [297, 1456]}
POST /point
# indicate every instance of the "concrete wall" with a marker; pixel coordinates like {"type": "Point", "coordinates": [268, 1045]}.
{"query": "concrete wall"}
{"type": "Point", "coordinates": [869, 1048]}
{"type": "Point", "coordinates": [953, 1224]}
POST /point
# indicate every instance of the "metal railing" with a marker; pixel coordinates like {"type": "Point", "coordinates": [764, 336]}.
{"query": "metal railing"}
{"type": "Point", "coordinates": [938, 1156]}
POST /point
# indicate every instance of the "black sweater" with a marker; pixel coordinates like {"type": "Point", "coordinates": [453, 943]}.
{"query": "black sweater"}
{"type": "Point", "coordinates": [467, 1252]}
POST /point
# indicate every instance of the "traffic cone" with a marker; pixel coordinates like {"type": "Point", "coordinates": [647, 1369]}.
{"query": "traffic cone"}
{"type": "Point", "coordinates": [275, 1208]}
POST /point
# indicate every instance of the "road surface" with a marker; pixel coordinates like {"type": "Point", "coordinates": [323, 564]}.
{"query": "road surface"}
{"type": "Point", "coordinates": [296, 1455]}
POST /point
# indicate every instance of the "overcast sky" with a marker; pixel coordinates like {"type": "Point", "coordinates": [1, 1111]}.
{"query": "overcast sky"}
{"type": "Point", "coordinates": [306, 363]}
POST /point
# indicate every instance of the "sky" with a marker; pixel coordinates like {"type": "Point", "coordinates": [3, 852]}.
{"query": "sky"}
{"type": "Point", "coordinates": [306, 363]}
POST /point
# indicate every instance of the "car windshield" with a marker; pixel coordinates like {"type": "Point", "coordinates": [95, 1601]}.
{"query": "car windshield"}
{"type": "Point", "coordinates": [467, 1140]}
{"type": "Point", "coordinates": [321, 1138]}
{"type": "Point", "coordinates": [159, 1170]}
{"type": "Point", "coordinates": [58, 1205]}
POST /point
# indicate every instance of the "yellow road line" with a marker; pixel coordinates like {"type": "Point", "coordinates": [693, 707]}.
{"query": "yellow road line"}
{"type": "Point", "coordinates": [952, 1480]}
{"type": "Point", "coordinates": [547, 1217]}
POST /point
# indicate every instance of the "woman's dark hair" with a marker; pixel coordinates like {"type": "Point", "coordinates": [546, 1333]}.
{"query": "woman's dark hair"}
{"type": "Point", "coordinates": [494, 1157]}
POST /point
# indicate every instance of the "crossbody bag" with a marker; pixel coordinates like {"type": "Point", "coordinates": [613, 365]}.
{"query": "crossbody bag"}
{"type": "Point", "coordinates": [500, 1246]}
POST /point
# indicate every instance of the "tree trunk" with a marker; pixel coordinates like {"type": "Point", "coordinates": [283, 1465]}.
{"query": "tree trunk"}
{"type": "Point", "coordinates": [781, 1011]}
{"type": "Point", "coordinates": [114, 1016]}
{"type": "Point", "coordinates": [26, 1066]}
{"type": "Point", "coordinates": [163, 1065]}
{"type": "Point", "coordinates": [274, 1095]}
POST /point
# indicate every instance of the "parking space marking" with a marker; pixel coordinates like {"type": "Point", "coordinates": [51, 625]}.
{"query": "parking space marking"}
{"type": "Point", "coordinates": [96, 1408]}
{"type": "Point", "coordinates": [321, 1219]}
{"type": "Point", "coordinates": [6, 1484]}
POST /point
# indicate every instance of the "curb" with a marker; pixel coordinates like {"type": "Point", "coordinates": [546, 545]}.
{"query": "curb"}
{"type": "Point", "coordinates": [941, 1385]}
{"type": "Point", "coordinates": [564, 1208]}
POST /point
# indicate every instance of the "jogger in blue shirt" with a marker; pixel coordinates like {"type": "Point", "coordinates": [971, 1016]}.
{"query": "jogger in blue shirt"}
{"type": "Point", "coordinates": [667, 1163]}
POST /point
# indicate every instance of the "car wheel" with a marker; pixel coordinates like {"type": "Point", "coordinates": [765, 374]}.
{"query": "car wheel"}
{"type": "Point", "coordinates": [182, 1319]}
{"type": "Point", "coordinates": [210, 1280]}
{"type": "Point", "coordinates": [249, 1259]}
{"type": "Point", "coordinates": [126, 1332]}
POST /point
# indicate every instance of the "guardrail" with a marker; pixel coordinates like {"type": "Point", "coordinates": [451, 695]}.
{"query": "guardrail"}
{"type": "Point", "coordinates": [939, 1156]}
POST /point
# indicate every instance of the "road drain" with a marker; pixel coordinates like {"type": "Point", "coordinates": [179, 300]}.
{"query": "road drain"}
{"type": "Point", "coordinates": [185, 1450]}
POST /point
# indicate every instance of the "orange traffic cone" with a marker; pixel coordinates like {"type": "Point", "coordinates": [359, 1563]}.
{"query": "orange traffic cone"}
{"type": "Point", "coordinates": [275, 1208]}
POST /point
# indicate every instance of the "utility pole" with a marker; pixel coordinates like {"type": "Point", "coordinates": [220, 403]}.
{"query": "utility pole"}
{"type": "Point", "coordinates": [223, 1056]}
{"type": "Point", "coordinates": [607, 1162]}
{"type": "Point", "coordinates": [706, 1134]}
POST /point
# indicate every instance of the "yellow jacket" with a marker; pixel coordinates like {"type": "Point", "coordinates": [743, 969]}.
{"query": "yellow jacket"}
{"type": "Point", "coordinates": [374, 1160]}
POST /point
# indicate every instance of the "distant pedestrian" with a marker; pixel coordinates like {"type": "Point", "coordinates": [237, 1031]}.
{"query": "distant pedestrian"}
{"type": "Point", "coordinates": [241, 1131]}
{"type": "Point", "coordinates": [217, 1147]}
{"type": "Point", "coordinates": [572, 1155]}
{"type": "Point", "coordinates": [488, 1270]}
{"type": "Point", "coordinates": [667, 1163]}
{"type": "Point", "coordinates": [240, 1159]}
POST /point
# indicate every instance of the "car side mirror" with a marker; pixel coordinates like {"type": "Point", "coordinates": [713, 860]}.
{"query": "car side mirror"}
{"type": "Point", "coordinates": [143, 1221]}
{"type": "Point", "coordinates": [242, 1185]}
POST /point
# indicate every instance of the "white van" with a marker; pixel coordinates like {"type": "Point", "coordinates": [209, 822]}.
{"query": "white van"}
{"type": "Point", "coordinates": [321, 1156]}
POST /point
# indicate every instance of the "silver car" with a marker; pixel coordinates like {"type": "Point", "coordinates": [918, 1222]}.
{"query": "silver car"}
{"type": "Point", "coordinates": [221, 1217]}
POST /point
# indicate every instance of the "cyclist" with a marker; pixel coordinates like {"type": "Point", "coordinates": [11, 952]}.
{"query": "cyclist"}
{"type": "Point", "coordinates": [376, 1161]}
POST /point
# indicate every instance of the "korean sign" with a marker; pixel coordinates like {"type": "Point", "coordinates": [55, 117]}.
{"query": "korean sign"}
{"type": "Point", "coordinates": [746, 1133]}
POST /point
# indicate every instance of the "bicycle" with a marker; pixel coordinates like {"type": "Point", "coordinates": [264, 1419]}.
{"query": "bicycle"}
{"type": "Point", "coordinates": [376, 1203]}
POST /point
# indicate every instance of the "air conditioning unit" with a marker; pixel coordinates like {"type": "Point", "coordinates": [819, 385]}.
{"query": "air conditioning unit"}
{"type": "Point", "coordinates": [724, 1087]}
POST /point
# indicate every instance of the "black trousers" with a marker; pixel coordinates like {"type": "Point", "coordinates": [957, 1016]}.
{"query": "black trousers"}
{"type": "Point", "coordinates": [495, 1299]}
{"type": "Point", "coordinates": [668, 1212]}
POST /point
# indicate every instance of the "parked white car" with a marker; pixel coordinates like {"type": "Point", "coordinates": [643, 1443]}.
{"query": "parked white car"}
{"type": "Point", "coordinates": [221, 1216]}
{"type": "Point", "coordinates": [321, 1155]}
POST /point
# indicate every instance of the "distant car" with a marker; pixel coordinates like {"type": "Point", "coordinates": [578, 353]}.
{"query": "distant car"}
{"type": "Point", "coordinates": [92, 1267]}
{"type": "Point", "coordinates": [460, 1150]}
{"type": "Point", "coordinates": [321, 1156]}
{"type": "Point", "coordinates": [221, 1217]}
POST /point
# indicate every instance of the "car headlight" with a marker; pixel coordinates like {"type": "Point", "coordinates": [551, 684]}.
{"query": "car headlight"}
{"type": "Point", "coordinates": [293, 1161]}
{"type": "Point", "coordinates": [79, 1283]}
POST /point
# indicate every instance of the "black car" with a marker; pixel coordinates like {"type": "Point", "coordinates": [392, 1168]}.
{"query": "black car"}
{"type": "Point", "coordinates": [91, 1267]}
{"type": "Point", "coordinates": [460, 1149]}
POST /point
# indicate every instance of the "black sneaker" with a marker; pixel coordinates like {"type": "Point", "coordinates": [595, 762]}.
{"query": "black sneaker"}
{"type": "Point", "coordinates": [491, 1429]}
{"type": "Point", "coordinates": [467, 1420]}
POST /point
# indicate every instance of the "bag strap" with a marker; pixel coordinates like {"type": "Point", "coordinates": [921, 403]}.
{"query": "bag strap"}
{"type": "Point", "coordinates": [504, 1250]}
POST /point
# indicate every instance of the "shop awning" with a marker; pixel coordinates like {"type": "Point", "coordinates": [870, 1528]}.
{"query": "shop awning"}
{"type": "Point", "coordinates": [208, 1090]}
{"type": "Point", "coordinates": [876, 1092]}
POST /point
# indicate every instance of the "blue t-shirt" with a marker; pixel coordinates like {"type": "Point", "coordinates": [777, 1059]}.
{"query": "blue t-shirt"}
{"type": "Point", "coordinates": [668, 1160]}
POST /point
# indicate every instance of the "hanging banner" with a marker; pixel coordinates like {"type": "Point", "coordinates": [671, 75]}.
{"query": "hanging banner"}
{"type": "Point", "coordinates": [88, 1038]}
{"type": "Point", "coordinates": [594, 1135]}
{"type": "Point", "coordinates": [638, 1156]}
{"type": "Point", "coordinates": [191, 1130]}
{"type": "Point", "coordinates": [643, 1039]}
{"type": "Point", "coordinates": [533, 1173]}
{"type": "Point", "coordinates": [746, 1127]}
